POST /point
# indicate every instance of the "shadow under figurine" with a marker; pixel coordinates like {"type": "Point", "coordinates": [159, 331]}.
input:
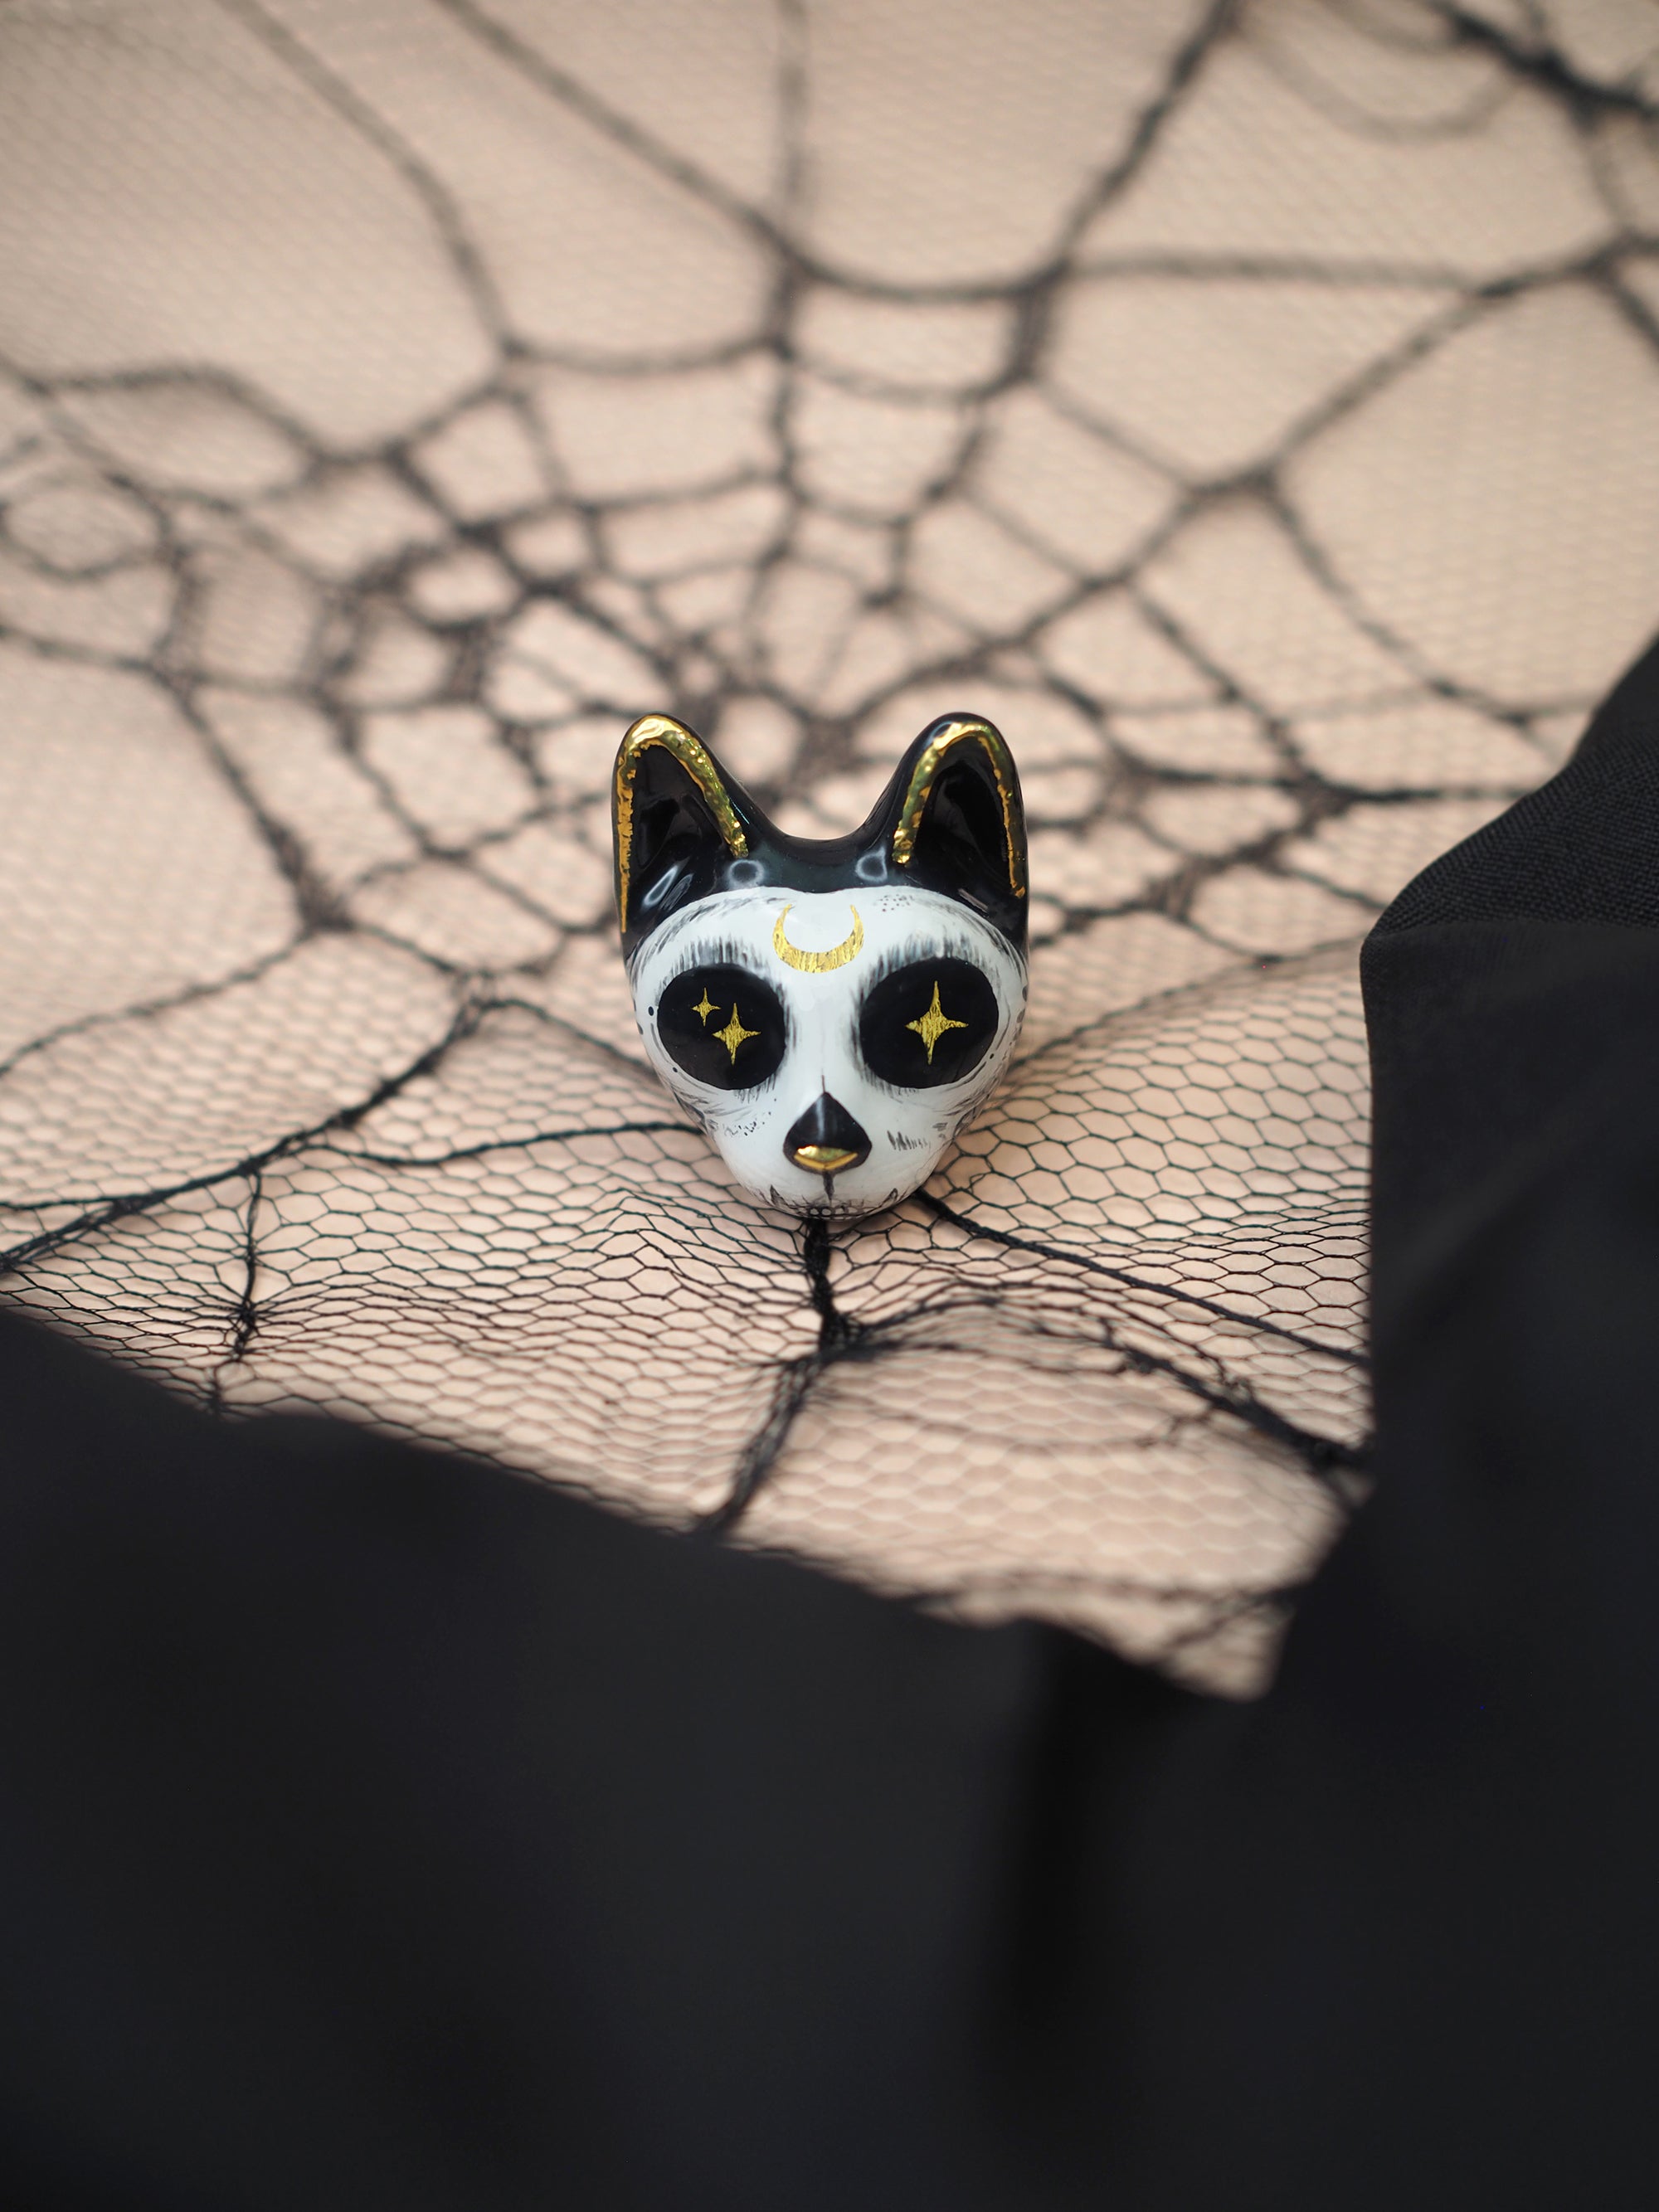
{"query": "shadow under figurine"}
{"type": "Point", "coordinates": [832, 1010]}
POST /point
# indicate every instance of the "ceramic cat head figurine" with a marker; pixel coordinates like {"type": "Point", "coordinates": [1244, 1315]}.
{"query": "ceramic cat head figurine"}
{"type": "Point", "coordinates": [831, 1010]}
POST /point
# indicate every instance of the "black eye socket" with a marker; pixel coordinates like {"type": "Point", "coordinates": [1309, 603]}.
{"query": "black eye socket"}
{"type": "Point", "coordinates": [929, 1023]}
{"type": "Point", "coordinates": [723, 1026]}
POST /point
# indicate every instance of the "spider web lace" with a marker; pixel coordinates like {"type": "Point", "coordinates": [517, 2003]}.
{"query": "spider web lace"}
{"type": "Point", "coordinates": [1253, 409]}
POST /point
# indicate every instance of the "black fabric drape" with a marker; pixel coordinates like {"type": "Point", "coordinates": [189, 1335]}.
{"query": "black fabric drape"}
{"type": "Point", "coordinates": [378, 1829]}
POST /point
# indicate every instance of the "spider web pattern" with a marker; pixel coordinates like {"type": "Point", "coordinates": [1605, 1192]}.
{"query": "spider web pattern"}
{"type": "Point", "coordinates": [1253, 409]}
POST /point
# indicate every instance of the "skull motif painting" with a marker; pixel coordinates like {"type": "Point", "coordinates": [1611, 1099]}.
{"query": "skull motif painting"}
{"type": "Point", "coordinates": [831, 1010]}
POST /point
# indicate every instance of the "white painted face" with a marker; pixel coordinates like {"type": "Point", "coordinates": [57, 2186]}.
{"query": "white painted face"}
{"type": "Point", "coordinates": [831, 1045]}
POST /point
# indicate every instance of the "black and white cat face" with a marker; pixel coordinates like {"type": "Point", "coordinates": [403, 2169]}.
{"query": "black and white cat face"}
{"type": "Point", "coordinates": [833, 1011]}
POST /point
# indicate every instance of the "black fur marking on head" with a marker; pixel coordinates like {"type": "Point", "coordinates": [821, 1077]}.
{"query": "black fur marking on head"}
{"type": "Point", "coordinates": [949, 821]}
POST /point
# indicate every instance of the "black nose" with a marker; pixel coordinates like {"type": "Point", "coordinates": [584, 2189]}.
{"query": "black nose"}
{"type": "Point", "coordinates": [826, 1138]}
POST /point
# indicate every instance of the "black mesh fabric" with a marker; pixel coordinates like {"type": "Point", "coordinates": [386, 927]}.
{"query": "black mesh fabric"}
{"type": "Point", "coordinates": [1252, 409]}
{"type": "Point", "coordinates": [377, 1827]}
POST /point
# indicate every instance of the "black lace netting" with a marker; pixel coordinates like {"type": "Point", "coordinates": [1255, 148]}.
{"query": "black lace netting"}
{"type": "Point", "coordinates": [1254, 409]}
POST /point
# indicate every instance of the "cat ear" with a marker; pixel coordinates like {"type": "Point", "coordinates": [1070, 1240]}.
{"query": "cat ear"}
{"type": "Point", "coordinates": [960, 827]}
{"type": "Point", "coordinates": [674, 823]}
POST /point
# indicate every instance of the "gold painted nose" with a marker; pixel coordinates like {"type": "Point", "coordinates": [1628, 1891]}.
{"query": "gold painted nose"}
{"type": "Point", "coordinates": [826, 1140]}
{"type": "Point", "coordinates": [824, 1159]}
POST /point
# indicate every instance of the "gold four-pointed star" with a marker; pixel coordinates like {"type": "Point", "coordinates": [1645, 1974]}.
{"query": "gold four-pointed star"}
{"type": "Point", "coordinates": [705, 1006]}
{"type": "Point", "coordinates": [734, 1034]}
{"type": "Point", "coordinates": [932, 1025]}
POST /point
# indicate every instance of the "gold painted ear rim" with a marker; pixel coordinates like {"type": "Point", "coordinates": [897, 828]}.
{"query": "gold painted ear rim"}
{"type": "Point", "coordinates": [694, 756]}
{"type": "Point", "coordinates": [926, 773]}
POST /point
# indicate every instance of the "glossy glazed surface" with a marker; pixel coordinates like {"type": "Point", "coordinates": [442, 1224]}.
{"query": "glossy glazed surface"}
{"type": "Point", "coordinates": [904, 1076]}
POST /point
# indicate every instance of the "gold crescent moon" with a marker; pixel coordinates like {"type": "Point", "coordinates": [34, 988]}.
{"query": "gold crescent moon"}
{"type": "Point", "coordinates": [818, 964]}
